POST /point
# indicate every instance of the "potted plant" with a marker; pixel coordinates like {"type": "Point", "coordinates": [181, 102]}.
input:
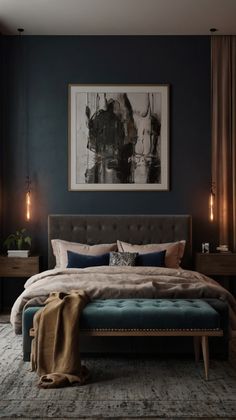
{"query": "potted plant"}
{"type": "Point", "coordinates": [18, 244]}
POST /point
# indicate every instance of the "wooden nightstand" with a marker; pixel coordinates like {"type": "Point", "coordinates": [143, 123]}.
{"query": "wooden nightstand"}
{"type": "Point", "coordinates": [216, 264]}
{"type": "Point", "coordinates": [18, 267]}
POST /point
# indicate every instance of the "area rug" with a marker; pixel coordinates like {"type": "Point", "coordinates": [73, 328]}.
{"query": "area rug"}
{"type": "Point", "coordinates": [4, 318]}
{"type": "Point", "coordinates": [119, 388]}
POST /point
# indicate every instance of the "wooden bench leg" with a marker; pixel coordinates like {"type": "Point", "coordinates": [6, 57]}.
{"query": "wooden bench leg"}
{"type": "Point", "coordinates": [196, 341]}
{"type": "Point", "coordinates": [205, 352]}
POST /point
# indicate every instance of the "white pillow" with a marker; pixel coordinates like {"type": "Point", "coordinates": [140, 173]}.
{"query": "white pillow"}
{"type": "Point", "coordinates": [61, 247]}
{"type": "Point", "coordinates": [174, 251]}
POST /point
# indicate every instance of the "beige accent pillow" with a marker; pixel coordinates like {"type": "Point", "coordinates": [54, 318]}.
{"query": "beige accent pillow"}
{"type": "Point", "coordinates": [61, 247]}
{"type": "Point", "coordinates": [174, 251]}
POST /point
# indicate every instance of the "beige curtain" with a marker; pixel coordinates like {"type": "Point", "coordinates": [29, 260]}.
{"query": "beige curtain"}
{"type": "Point", "coordinates": [223, 65]}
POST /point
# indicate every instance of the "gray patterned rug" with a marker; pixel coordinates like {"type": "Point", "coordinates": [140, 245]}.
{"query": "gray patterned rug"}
{"type": "Point", "coordinates": [119, 388]}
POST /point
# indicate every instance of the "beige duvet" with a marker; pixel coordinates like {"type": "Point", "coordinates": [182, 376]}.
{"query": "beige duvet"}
{"type": "Point", "coordinates": [121, 282]}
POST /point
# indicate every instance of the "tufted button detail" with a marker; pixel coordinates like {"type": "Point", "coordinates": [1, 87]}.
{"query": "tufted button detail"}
{"type": "Point", "coordinates": [161, 314]}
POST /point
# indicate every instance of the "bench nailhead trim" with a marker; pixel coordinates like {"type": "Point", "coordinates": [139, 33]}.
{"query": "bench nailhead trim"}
{"type": "Point", "coordinates": [151, 329]}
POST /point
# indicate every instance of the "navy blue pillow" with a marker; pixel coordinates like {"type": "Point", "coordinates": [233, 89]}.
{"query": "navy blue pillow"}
{"type": "Point", "coordinates": [82, 261]}
{"type": "Point", "coordinates": [153, 259]}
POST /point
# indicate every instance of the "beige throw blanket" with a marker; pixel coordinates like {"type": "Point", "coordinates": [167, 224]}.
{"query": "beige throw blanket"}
{"type": "Point", "coordinates": [121, 282]}
{"type": "Point", "coordinates": [55, 347]}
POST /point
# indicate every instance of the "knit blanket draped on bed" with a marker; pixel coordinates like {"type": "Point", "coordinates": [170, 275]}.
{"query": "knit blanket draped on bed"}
{"type": "Point", "coordinates": [55, 346]}
{"type": "Point", "coordinates": [113, 282]}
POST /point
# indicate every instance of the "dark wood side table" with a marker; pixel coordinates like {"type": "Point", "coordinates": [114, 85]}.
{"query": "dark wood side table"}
{"type": "Point", "coordinates": [217, 264]}
{"type": "Point", "coordinates": [18, 267]}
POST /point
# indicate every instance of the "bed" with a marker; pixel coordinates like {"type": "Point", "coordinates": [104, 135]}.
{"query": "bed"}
{"type": "Point", "coordinates": [135, 229]}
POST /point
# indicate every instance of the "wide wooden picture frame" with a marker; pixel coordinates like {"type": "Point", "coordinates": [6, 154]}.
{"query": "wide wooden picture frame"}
{"type": "Point", "coordinates": [118, 137]}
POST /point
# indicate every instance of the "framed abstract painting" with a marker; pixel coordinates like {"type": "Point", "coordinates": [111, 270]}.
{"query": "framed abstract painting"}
{"type": "Point", "coordinates": [118, 137]}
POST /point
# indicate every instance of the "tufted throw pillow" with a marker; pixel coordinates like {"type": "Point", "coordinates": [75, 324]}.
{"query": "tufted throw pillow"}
{"type": "Point", "coordinates": [123, 258]}
{"type": "Point", "coordinates": [174, 251]}
{"type": "Point", "coordinates": [82, 261]}
{"type": "Point", "coordinates": [61, 247]}
{"type": "Point", "coordinates": [154, 259]}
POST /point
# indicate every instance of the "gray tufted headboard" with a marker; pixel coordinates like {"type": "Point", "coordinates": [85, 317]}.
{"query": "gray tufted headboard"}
{"type": "Point", "coordinates": [137, 229]}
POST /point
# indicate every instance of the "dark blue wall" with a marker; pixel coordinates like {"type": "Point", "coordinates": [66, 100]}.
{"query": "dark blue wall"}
{"type": "Point", "coordinates": [44, 66]}
{"type": "Point", "coordinates": [1, 129]}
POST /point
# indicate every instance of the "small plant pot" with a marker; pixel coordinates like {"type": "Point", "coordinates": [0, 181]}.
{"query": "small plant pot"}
{"type": "Point", "coordinates": [24, 253]}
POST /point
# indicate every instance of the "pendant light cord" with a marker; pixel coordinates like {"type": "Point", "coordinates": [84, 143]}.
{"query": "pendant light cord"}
{"type": "Point", "coordinates": [24, 108]}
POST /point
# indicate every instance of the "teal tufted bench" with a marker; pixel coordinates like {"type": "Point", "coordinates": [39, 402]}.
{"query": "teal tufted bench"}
{"type": "Point", "coordinates": [143, 317]}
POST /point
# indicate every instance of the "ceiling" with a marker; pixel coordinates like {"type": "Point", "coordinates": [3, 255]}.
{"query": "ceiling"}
{"type": "Point", "coordinates": [118, 17]}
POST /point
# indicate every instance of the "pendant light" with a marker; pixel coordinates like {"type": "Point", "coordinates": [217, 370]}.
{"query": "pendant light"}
{"type": "Point", "coordinates": [27, 203]}
{"type": "Point", "coordinates": [28, 199]}
{"type": "Point", "coordinates": [212, 204]}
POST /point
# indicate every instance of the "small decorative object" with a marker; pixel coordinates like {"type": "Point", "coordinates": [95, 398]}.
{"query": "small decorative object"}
{"type": "Point", "coordinates": [118, 137]}
{"type": "Point", "coordinates": [205, 248]}
{"type": "Point", "coordinates": [223, 248]}
{"type": "Point", "coordinates": [18, 244]}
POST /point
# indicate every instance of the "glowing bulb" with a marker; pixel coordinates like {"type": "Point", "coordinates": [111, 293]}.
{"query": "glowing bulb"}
{"type": "Point", "coordinates": [28, 206]}
{"type": "Point", "coordinates": [211, 207]}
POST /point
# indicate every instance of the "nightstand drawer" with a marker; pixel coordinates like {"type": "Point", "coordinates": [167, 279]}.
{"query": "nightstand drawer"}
{"type": "Point", "coordinates": [18, 267]}
{"type": "Point", "coordinates": [216, 264]}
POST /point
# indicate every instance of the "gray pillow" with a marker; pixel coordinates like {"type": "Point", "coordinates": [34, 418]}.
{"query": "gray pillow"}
{"type": "Point", "coordinates": [123, 258]}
